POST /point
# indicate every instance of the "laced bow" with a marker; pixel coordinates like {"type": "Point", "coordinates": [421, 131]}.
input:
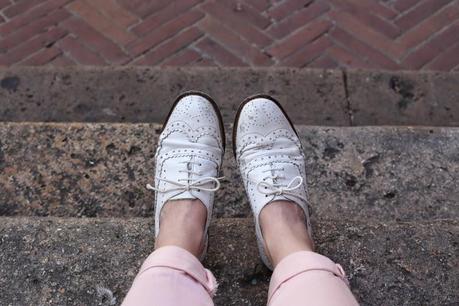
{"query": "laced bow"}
{"type": "Point", "coordinates": [269, 189]}
{"type": "Point", "coordinates": [186, 184]}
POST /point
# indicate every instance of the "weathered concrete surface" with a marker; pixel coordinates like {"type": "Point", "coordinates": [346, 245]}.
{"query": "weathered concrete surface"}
{"type": "Point", "coordinates": [383, 173]}
{"type": "Point", "coordinates": [404, 98]}
{"type": "Point", "coordinates": [312, 97]}
{"type": "Point", "coordinates": [47, 261]}
{"type": "Point", "coordinates": [136, 94]}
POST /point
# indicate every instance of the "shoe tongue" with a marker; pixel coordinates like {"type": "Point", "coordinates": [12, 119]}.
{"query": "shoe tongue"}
{"type": "Point", "coordinates": [179, 165]}
{"type": "Point", "coordinates": [185, 195]}
{"type": "Point", "coordinates": [285, 176]}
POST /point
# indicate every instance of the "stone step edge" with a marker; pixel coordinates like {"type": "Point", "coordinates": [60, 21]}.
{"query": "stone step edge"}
{"type": "Point", "coordinates": [323, 97]}
{"type": "Point", "coordinates": [64, 261]}
{"type": "Point", "coordinates": [214, 220]}
{"type": "Point", "coordinates": [228, 126]}
{"type": "Point", "coordinates": [96, 169]}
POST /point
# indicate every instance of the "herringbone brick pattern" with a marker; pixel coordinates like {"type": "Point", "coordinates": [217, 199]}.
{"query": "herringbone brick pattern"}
{"type": "Point", "coordinates": [379, 34]}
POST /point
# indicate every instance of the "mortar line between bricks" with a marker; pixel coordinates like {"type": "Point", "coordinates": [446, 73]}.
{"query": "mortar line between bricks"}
{"type": "Point", "coordinates": [348, 100]}
{"type": "Point", "coordinates": [40, 50]}
{"type": "Point", "coordinates": [431, 36]}
{"type": "Point", "coordinates": [90, 48]}
{"type": "Point", "coordinates": [406, 12]}
{"type": "Point", "coordinates": [65, 52]}
{"type": "Point", "coordinates": [150, 49]}
{"type": "Point", "coordinates": [433, 59]}
{"type": "Point", "coordinates": [216, 40]}
{"type": "Point", "coordinates": [402, 33]}
{"type": "Point", "coordinates": [422, 44]}
{"type": "Point", "coordinates": [161, 44]}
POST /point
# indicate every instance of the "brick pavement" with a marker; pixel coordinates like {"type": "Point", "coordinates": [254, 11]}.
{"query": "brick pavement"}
{"type": "Point", "coordinates": [374, 34]}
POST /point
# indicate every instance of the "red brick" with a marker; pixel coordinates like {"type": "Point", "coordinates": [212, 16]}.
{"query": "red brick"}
{"type": "Point", "coordinates": [367, 35]}
{"type": "Point", "coordinates": [367, 17]}
{"type": "Point", "coordinates": [379, 24]}
{"type": "Point", "coordinates": [31, 46]}
{"type": "Point", "coordinates": [299, 38]}
{"type": "Point", "coordinates": [20, 7]}
{"type": "Point", "coordinates": [164, 32]}
{"type": "Point", "coordinates": [233, 42]}
{"type": "Point", "coordinates": [362, 32]}
{"type": "Point", "coordinates": [182, 58]}
{"type": "Point", "coordinates": [28, 17]}
{"type": "Point", "coordinates": [248, 13]}
{"type": "Point", "coordinates": [307, 54]}
{"type": "Point", "coordinates": [259, 5]}
{"type": "Point", "coordinates": [376, 7]}
{"type": "Point", "coordinates": [4, 3]}
{"type": "Point", "coordinates": [446, 60]}
{"type": "Point", "coordinates": [295, 21]}
{"type": "Point", "coordinates": [432, 48]}
{"type": "Point", "coordinates": [286, 8]}
{"type": "Point", "coordinates": [172, 46]}
{"type": "Point", "coordinates": [220, 54]}
{"type": "Point", "coordinates": [347, 59]}
{"type": "Point", "coordinates": [430, 26]}
{"type": "Point", "coordinates": [163, 16]}
{"type": "Point", "coordinates": [79, 53]}
{"type": "Point", "coordinates": [143, 8]}
{"type": "Point", "coordinates": [115, 12]}
{"type": "Point", "coordinates": [363, 50]}
{"type": "Point", "coordinates": [324, 62]}
{"type": "Point", "coordinates": [42, 57]}
{"type": "Point", "coordinates": [62, 60]}
{"type": "Point", "coordinates": [32, 29]}
{"type": "Point", "coordinates": [108, 49]}
{"type": "Point", "coordinates": [237, 24]}
{"type": "Point", "coordinates": [422, 11]}
{"type": "Point", "coordinates": [403, 5]}
{"type": "Point", "coordinates": [101, 23]}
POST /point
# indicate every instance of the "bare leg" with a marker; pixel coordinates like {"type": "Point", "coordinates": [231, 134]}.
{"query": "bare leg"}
{"type": "Point", "coordinates": [164, 278]}
{"type": "Point", "coordinates": [284, 230]}
{"type": "Point", "coordinates": [182, 225]}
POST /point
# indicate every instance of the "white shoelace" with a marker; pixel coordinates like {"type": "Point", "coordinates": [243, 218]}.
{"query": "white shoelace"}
{"type": "Point", "coordinates": [189, 184]}
{"type": "Point", "coordinates": [270, 189]}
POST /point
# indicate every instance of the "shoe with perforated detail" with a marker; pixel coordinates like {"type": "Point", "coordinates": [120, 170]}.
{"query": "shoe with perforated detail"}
{"type": "Point", "coordinates": [189, 155]}
{"type": "Point", "coordinates": [270, 159]}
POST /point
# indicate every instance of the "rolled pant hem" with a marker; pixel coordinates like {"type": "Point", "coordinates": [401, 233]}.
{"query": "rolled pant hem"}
{"type": "Point", "coordinates": [180, 259]}
{"type": "Point", "coordinates": [302, 262]}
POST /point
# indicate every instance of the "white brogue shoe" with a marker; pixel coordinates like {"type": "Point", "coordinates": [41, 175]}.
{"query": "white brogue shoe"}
{"type": "Point", "coordinates": [189, 155]}
{"type": "Point", "coordinates": [270, 159]}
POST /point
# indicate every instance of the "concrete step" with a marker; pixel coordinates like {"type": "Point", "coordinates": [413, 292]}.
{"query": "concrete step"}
{"type": "Point", "coordinates": [59, 261]}
{"type": "Point", "coordinates": [100, 170]}
{"type": "Point", "coordinates": [312, 97]}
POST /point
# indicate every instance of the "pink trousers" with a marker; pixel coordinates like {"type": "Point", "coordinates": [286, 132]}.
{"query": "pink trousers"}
{"type": "Point", "coordinates": [171, 276]}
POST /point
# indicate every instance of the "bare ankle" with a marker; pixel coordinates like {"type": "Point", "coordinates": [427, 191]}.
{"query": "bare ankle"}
{"type": "Point", "coordinates": [284, 230]}
{"type": "Point", "coordinates": [182, 225]}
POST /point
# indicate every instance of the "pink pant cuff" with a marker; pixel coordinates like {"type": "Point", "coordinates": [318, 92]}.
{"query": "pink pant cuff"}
{"type": "Point", "coordinates": [301, 262]}
{"type": "Point", "coordinates": [180, 259]}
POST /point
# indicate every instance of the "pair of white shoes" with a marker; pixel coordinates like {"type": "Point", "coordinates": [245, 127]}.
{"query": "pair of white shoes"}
{"type": "Point", "coordinates": [266, 146]}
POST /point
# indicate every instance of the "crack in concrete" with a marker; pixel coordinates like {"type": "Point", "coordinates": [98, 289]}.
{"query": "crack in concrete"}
{"type": "Point", "coordinates": [348, 101]}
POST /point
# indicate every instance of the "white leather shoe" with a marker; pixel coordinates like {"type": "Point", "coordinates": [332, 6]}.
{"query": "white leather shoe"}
{"type": "Point", "coordinates": [189, 155]}
{"type": "Point", "coordinates": [270, 159]}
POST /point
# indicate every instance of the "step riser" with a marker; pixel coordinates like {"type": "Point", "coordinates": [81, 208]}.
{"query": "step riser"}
{"type": "Point", "coordinates": [53, 261]}
{"type": "Point", "coordinates": [311, 97]}
{"type": "Point", "coordinates": [74, 170]}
